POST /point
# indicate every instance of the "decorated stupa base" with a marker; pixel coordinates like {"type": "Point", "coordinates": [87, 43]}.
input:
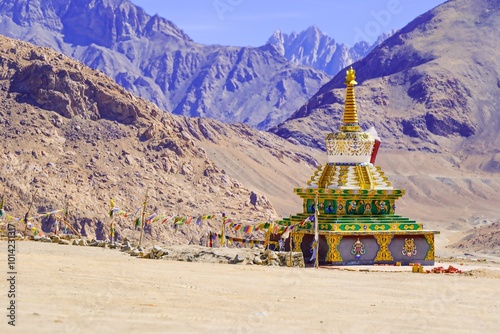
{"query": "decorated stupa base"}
{"type": "Point", "coordinates": [354, 205]}
{"type": "Point", "coordinates": [362, 240]}
{"type": "Point", "coordinates": [367, 247]}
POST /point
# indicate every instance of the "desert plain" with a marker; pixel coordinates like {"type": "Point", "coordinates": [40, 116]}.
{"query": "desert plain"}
{"type": "Point", "coordinates": [72, 289]}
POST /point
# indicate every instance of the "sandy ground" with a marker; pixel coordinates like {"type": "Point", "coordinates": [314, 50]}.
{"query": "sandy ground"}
{"type": "Point", "coordinates": [71, 289]}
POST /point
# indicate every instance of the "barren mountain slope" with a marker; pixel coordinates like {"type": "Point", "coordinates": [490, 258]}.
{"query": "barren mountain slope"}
{"type": "Point", "coordinates": [69, 130]}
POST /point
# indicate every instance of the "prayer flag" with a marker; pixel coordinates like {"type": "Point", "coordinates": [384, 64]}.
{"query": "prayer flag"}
{"type": "Point", "coordinates": [2, 204]}
{"type": "Point", "coordinates": [313, 250]}
{"type": "Point", "coordinates": [148, 220]}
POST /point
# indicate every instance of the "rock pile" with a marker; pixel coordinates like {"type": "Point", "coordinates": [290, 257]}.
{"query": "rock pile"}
{"type": "Point", "coordinates": [156, 253]}
{"type": "Point", "coordinates": [296, 259]}
{"type": "Point", "coordinates": [189, 253]}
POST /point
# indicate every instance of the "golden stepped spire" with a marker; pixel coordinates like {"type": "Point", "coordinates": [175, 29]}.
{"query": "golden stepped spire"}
{"type": "Point", "coordinates": [350, 113]}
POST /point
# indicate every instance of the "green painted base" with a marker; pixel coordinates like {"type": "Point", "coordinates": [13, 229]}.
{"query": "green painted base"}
{"type": "Point", "coordinates": [333, 223]}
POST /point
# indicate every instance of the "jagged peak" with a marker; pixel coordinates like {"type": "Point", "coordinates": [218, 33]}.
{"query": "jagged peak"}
{"type": "Point", "coordinates": [90, 21]}
{"type": "Point", "coordinates": [277, 37]}
{"type": "Point", "coordinates": [313, 29]}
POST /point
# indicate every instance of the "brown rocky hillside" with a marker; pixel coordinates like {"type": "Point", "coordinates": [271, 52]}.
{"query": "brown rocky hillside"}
{"type": "Point", "coordinates": [69, 130]}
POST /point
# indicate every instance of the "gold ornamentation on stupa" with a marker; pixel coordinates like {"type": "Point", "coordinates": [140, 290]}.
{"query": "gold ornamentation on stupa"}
{"type": "Point", "coordinates": [350, 145]}
{"type": "Point", "coordinates": [350, 113]}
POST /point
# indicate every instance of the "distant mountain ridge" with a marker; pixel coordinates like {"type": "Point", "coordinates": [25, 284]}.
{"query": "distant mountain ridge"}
{"type": "Point", "coordinates": [153, 58]}
{"type": "Point", "coordinates": [432, 86]}
{"type": "Point", "coordinates": [313, 48]}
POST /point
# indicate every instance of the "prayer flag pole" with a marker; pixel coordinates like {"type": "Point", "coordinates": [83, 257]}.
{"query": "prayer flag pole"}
{"type": "Point", "coordinates": [223, 236]}
{"type": "Point", "coordinates": [71, 228]}
{"type": "Point", "coordinates": [111, 223]}
{"type": "Point", "coordinates": [65, 219]}
{"type": "Point", "coordinates": [268, 235]}
{"type": "Point", "coordinates": [143, 214]}
{"type": "Point", "coordinates": [27, 213]}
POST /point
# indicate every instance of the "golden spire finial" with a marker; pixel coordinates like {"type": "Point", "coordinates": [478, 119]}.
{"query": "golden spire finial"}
{"type": "Point", "coordinates": [350, 113]}
{"type": "Point", "coordinates": [350, 77]}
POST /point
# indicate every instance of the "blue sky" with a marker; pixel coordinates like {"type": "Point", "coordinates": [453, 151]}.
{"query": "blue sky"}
{"type": "Point", "coordinates": [252, 22]}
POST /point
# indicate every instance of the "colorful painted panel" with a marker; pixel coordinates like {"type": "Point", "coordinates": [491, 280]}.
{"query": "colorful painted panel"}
{"type": "Point", "coordinates": [354, 252]}
{"type": "Point", "coordinates": [358, 249]}
{"type": "Point", "coordinates": [330, 207]}
{"type": "Point", "coordinates": [310, 205]}
{"type": "Point", "coordinates": [409, 227]}
{"type": "Point", "coordinates": [409, 248]}
{"type": "Point", "coordinates": [380, 227]}
{"type": "Point", "coordinates": [381, 207]}
{"type": "Point", "coordinates": [341, 210]}
{"type": "Point", "coordinates": [353, 207]}
{"type": "Point", "coordinates": [361, 207]}
{"type": "Point", "coordinates": [350, 227]}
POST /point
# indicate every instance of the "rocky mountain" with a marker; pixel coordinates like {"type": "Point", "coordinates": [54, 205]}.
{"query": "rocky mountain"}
{"type": "Point", "coordinates": [154, 59]}
{"type": "Point", "coordinates": [313, 48]}
{"type": "Point", "coordinates": [432, 86]}
{"type": "Point", "coordinates": [71, 133]}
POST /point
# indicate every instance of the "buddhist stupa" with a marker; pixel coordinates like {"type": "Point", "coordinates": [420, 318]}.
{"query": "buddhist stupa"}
{"type": "Point", "coordinates": [355, 204]}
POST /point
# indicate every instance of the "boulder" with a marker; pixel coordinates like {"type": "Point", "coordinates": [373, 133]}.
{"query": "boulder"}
{"type": "Point", "coordinates": [45, 239]}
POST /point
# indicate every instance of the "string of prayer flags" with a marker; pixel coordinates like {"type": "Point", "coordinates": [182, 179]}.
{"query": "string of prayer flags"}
{"type": "Point", "coordinates": [244, 241]}
{"type": "Point", "coordinates": [286, 232]}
